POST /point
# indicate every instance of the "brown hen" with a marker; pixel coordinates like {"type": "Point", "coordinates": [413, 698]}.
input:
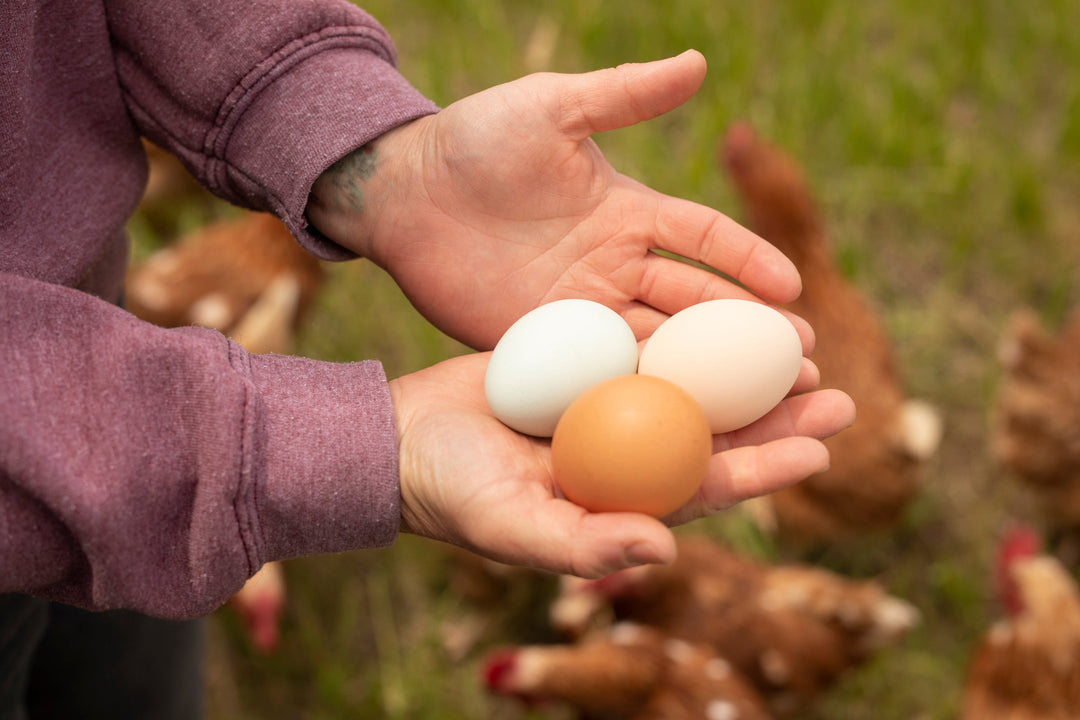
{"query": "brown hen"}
{"type": "Point", "coordinates": [1037, 418]}
{"type": "Point", "coordinates": [791, 630]}
{"type": "Point", "coordinates": [245, 276]}
{"type": "Point", "coordinates": [874, 463]}
{"type": "Point", "coordinates": [627, 672]}
{"type": "Point", "coordinates": [1027, 666]}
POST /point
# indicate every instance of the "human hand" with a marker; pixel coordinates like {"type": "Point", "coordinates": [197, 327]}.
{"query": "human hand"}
{"type": "Point", "coordinates": [502, 202]}
{"type": "Point", "coordinates": [469, 480]}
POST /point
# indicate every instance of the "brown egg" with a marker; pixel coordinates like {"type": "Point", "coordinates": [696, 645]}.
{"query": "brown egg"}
{"type": "Point", "coordinates": [632, 443]}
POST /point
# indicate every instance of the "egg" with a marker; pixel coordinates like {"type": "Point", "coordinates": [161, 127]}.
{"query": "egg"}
{"type": "Point", "coordinates": [633, 443]}
{"type": "Point", "coordinates": [737, 358]}
{"type": "Point", "coordinates": [549, 356]}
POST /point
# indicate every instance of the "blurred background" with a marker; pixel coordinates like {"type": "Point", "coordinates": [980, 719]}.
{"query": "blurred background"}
{"type": "Point", "coordinates": [942, 144]}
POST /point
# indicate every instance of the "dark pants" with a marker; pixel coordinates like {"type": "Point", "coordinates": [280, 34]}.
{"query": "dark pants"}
{"type": "Point", "coordinates": [57, 661]}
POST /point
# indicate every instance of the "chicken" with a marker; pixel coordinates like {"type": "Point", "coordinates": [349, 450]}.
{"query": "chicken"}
{"type": "Point", "coordinates": [875, 463]}
{"type": "Point", "coordinates": [1036, 431]}
{"type": "Point", "coordinates": [215, 276]}
{"type": "Point", "coordinates": [791, 630]}
{"type": "Point", "coordinates": [628, 672]}
{"type": "Point", "coordinates": [1027, 666]}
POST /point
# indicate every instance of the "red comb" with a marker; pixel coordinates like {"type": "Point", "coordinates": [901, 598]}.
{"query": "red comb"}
{"type": "Point", "coordinates": [1020, 541]}
{"type": "Point", "coordinates": [497, 667]}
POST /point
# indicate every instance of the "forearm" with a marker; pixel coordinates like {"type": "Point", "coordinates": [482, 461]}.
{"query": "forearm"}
{"type": "Point", "coordinates": [157, 469]}
{"type": "Point", "coordinates": [259, 98]}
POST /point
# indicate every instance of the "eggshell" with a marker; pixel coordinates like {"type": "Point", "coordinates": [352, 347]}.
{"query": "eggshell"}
{"type": "Point", "coordinates": [736, 357]}
{"type": "Point", "coordinates": [633, 443]}
{"type": "Point", "coordinates": [552, 354]}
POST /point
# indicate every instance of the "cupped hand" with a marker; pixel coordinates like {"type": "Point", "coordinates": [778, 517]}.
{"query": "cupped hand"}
{"type": "Point", "coordinates": [469, 480]}
{"type": "Point", "coordinates": [502, 201]}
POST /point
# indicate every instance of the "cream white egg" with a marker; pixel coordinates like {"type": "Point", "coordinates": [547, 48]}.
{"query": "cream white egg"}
{"type": "Point", "coordinates": [550, 356]}
{"type": "Point", "coordinates": [738, 358]}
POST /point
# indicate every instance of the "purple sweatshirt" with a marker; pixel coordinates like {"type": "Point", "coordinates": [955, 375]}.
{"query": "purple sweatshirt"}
{"type": "Point", "coordinates": [157, 469]}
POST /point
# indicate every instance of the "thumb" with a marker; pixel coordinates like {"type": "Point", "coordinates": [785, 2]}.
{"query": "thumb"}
{"type": "Point", "coordinates": [630, 93]}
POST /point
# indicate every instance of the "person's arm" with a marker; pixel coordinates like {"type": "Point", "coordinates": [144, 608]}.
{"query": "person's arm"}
{"type": "Point", "coordinates": [157, 469]}
{"type": "Point", "coordinates": [259, 97]}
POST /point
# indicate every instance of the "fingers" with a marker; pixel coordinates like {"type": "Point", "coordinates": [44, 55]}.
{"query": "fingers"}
{"type": "Point", "coordinates": [558, 536]}
{"type": "Point", "coordinates": [775, 452]}
{"type": "Point", "coordinates": [701, 233]}
{"type": "Point", "coordinates": [819, 414]}
{"type": "Point", "coordinates": [779, 450]}
{"type": "Point", "coordinates": [756, 470]}
{"type": "Point", "coordinates": [669, 285]}
{"type": "Point", "coordinates": [563, 538]}
{"type": "Point", "coordinates": [631, 93]}
{"type": "Point", "coordinates": [747, 472]}
{"type": "Point", "coordinates": [808, 379]}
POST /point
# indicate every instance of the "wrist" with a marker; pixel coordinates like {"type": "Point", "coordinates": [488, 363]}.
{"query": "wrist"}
{"type": "Point", "coordinates": [349, 199]}
{"type": "Point", "coordinates": [407, 463]}
{"type": "Point", "coordinates": [336, 204]}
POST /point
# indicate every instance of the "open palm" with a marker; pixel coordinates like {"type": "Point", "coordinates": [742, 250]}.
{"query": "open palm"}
{"type": "Point", "coordinates": [502, 201]}
{"type": "Point", "coordinates": [469, 480]}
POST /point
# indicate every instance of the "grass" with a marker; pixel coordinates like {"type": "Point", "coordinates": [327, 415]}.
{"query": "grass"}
{"type": "Point", "coordinates": [943, 140]}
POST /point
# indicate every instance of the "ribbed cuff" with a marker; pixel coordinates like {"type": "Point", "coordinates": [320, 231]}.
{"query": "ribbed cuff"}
{"type": "Point", "coordinates": [331, 97]}
{"type": "Point", "coordinates": [330, 479]}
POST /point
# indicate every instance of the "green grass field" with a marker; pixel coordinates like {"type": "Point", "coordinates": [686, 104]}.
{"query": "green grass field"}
{"type": "Point", "coordinates": [943, 141]}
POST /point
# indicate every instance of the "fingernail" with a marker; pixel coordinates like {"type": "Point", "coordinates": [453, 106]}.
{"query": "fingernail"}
{"type": "Point", "coordinates": [643, 553]}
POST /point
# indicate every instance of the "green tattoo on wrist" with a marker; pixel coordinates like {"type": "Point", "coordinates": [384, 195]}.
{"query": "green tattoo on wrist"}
{"type": "Point", "coordinates": [348, 175]}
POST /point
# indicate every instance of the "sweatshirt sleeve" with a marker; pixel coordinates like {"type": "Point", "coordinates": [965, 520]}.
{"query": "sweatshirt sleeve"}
{"type": "Point", "coordinates": [157, 469]}
{"type": "Point", "coordinates": [259, 97]}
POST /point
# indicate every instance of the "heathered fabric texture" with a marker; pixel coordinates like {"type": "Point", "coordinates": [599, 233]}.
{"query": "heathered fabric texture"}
{"type": "Point", "coordinates": [156, 469]}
